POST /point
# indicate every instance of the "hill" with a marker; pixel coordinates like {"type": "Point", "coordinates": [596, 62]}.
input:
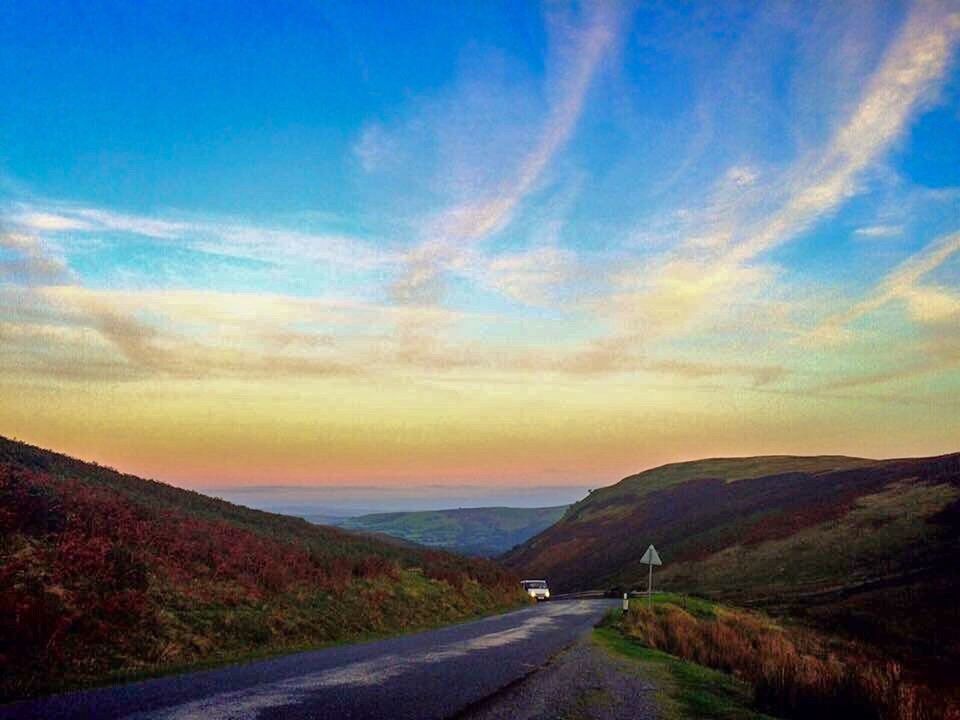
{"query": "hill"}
{"type": "Point", "coordinates": [486, 531]}
{"type": "Point", "coordinates": [863, 547]}
{"type": "Point", "coordinates": [105, 576]}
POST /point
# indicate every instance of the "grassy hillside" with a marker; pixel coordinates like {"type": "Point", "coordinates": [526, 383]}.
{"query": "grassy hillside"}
{"type": "Point", "coordinates": [105, 576]}
{"type": "Point", "coordinates": [472, 531]}
{"type": "Point", "coordinates": [864, 547]}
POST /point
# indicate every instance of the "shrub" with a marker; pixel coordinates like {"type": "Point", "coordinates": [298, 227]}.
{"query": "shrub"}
{"type": "Point", "coordinates": [795, 673]}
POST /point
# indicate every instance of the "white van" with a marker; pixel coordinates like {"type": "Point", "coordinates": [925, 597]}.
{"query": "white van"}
{"type": "Point", "coordinates": [537, 589]}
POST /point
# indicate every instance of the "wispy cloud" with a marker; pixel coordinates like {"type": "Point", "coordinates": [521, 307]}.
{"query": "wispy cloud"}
{"type": "Point", "coordinates": [449, 232]}
{"type": "Point", "coordinates": [375, 148]}
{"type": "Point", "coordinates": [608, 237]}
{"type": "Point", "coordinates": [24, 260]}
{"type": "Point", "coordinates": [926, 304]}
{"type": "Point", "coordinates": [879, 231]}
{"type": "Point", "coordinates": [226, 237]}
{"type": "Point", "coordinates": [531, 276]}
{"type": "Point", "coordinates": [712, 265]}
{"type": "Point", "coordinates": [932, 347]}
{"type": "Point", "coordinates": [716, 263]}
{"type": "Point", "coordinates": [40, 221]}
{"type": "Point", "coordinates": [907, 78]}
{"type": "Point", "coordinates": [185, 333]}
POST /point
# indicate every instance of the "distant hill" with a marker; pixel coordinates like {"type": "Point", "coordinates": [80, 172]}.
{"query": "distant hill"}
{"type": "Point", "coordinates": [865, 547]}
{"type": "Point", "coordinates": [472, 531]}
{"type": "Point", "coordinates": [109, 576]}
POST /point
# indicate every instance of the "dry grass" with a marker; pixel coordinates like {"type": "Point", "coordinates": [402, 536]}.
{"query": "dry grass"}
{"type": "Point", "coordinates": [795, 673]}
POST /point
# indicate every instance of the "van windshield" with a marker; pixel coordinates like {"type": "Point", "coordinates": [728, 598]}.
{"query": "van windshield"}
{"type": "Point", "coordinates": [534, 584]}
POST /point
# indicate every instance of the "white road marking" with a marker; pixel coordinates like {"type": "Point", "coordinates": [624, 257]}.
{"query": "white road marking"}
{"type": "Point", "coordinates": [248, 703]}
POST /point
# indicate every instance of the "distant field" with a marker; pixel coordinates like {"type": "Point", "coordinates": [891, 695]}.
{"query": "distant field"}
{"type": "Point", "coordinates": [471, 531]}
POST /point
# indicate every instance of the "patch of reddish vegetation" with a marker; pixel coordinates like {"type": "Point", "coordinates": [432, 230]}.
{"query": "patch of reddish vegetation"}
{"type": "Point", "coordinates": [96, 570]}
{"type": "Point", "coordinates": [795, 673]}
{"type": "Point", "coordinates": [783, 524]}
{"type": "Point", "coordinates": [96, 537]}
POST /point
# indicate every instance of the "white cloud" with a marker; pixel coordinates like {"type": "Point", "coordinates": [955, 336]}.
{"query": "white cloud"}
{"type": "Point", "coordinates": [27, 260]}
{"type": "Point", "coordinates": [220, 236]}
{"type": "Point", "coordinates": [742, 176]}
{"type": "Point", "coordinates": [375, 148]}
{"type": "Point", "coordinates": [49, 222]}
{"type": "Point", "coordinates": [717, 260]}
{"type": "Point", "coordinates": [926, 304]}
{"type": "Point", "coordinates": [932, 305]}
{"type": "Point", "coordinates": [879, 231]}
{"type": "Point", "coordinates": [489, 210]}
{"type": "Point", "coordinates": [531, 276]}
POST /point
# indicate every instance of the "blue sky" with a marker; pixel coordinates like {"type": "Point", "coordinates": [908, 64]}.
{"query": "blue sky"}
{"type": "Point", "coordinates": [732, 226]}
{"type": "Point", "coordinates": [159, 104]}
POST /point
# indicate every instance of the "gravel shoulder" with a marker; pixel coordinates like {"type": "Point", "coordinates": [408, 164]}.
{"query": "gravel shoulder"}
{"type": "Point", "coordinates": [584, 682]}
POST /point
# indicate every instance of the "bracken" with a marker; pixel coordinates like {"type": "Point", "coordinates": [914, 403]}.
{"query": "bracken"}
{"type": "Point", "coordinates": [795, 672]}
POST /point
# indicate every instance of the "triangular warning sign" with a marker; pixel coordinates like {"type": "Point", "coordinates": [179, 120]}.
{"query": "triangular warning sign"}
{"type": "Point", "coordinates": [651, 557]}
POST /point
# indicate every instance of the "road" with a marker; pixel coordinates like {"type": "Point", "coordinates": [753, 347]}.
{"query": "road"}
{"type": "Point", "coordinates": [434, 674]}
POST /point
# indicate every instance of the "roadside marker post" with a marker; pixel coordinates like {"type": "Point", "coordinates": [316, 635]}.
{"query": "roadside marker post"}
{"type": "Point", "coordinates": [626, 603]}
{"type": "Point", "coordinates": [651, 557]}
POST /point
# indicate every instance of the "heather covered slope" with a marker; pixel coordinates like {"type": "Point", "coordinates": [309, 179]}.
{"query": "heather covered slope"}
{"type": "Point", "coordinates": [862, 546]}
{"type": "Point", "coordinates": [487, 531]}
{"type": "Point", "coordinates": [105, 575]}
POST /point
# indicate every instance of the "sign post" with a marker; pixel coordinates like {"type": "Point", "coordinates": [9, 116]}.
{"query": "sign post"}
{"type": "Point", "coordinates": [651, 558]}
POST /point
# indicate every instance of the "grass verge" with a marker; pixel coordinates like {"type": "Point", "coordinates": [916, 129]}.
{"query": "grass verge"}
{"type": "Point", "coordinates": [245, 655]}
{"type": "Point", "coordinates": [783, 669]}
{"type": "Point", "coordinates": [685, 690]}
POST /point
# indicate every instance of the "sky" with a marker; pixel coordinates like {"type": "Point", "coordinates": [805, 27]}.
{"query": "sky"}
{"type": "Point", "coordinates": [478, 244]}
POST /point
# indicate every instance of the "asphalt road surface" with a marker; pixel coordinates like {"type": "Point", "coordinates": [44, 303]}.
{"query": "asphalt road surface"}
{"type": "Point", "coordinates": [433, 674]}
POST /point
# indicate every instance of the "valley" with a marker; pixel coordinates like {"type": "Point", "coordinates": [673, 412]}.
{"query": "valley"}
{"type": "Point", "coordinates": [484, 531]}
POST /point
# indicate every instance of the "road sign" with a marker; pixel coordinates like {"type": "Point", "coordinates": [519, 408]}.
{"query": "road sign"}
{"type": "Point", "coordinates": [651, 557]}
